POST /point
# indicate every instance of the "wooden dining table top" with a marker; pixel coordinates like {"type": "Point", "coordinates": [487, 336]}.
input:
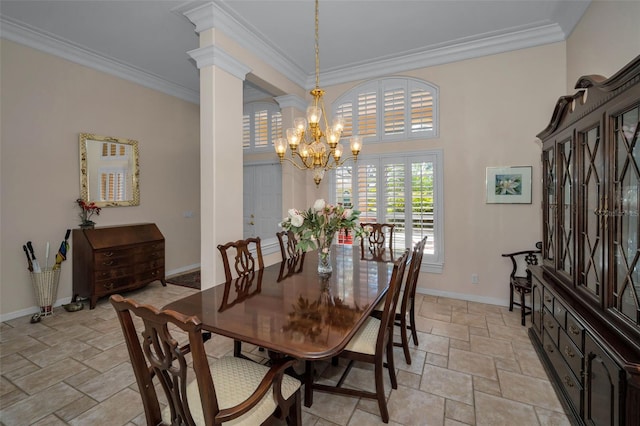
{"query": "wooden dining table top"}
{"type": "Point", "coordinates": [294, 312]}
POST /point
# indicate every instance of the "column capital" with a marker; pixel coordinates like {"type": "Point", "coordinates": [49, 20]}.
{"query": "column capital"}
{"type": "Point", "coordinates": [213, 55]}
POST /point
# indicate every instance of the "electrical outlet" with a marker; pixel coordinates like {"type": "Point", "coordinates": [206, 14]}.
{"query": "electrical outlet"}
{"type": "Point", "coordinates": [475, 279]}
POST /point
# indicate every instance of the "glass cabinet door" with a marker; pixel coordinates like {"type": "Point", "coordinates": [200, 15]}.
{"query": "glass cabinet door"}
{"type": "Point", "coordinates": [591, 241]}
{"type": "Point", "coordinates": [550, 204]}
{"type": "Point", "coordinates": [626, 238]}
{"type": "Point", "coordinates": [565, 252]}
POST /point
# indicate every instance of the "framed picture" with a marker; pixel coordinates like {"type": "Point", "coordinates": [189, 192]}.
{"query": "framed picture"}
{"type": "Point", "coordinates": [509, 185]}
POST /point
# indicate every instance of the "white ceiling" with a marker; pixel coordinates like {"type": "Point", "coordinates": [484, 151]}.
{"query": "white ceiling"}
{"type": "Point", "coordinates": [357, 37]}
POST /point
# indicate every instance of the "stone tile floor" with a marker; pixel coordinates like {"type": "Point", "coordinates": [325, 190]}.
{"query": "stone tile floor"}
{"type": "Point", "coordinates": [474, 365]}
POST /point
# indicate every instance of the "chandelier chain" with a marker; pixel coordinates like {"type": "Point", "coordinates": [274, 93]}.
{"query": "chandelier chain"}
{"type": "Point", "coordinates": [317, 49]}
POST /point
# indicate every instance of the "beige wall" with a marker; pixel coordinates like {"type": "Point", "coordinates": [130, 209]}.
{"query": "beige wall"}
{"type": "Point", "coordinates": [45, 103]}
{"type": "Point", "coordinates": [606, 38]}
{"type": "Point", "coordinates": [491, 108]}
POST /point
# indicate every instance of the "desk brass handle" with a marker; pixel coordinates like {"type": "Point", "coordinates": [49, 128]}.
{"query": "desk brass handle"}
{"type": "Point", "coordinates": [568, 352]}
{"type": "Point", "coordinates": [574, 330]}
{"type": "Point", "coordinates": [549, 348]}
{"type": "Point", "coordinates": [109, 263]}
{"type": "Point", "coordinates": [109, 286]}
{"type": "Point", "coordinates": [108, 254]}
{"type": "Point", "coordinates": [568, 381]}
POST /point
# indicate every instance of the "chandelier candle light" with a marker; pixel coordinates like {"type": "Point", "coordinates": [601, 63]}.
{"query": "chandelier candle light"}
{"type": "Point", "coordinates": [311, 147]}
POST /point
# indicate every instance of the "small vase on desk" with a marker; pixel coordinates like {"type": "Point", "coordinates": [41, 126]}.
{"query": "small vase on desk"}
{"type": "Point", "coordinates": [87, 225]}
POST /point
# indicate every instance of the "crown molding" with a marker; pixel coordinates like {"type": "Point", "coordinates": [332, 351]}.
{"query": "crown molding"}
{"type": "Point", "coordinates": [213, 15]}
{"type": "Point", "coordinates": [48, 43]}
{"type": "Point", "coordinates": [216, 56]}
{"type": "Point", "coordinates": [538, 36]}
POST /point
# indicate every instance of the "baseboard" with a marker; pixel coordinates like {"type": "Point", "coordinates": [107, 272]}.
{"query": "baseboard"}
{"type": "Point", "coordinates": [182, 269]}
{"type": "Point", "coordinates": [467, 297]}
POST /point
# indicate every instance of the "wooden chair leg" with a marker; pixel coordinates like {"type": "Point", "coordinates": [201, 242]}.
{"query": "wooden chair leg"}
{"type": "Point", "coordinates": [294, 417]}
{"type": "Point", "coordinates": [510, 297]}
{"type": "Point", "coordinates": [412, 321]}
{"type": "Point", "coordinates": [522, 308]}
{"type": "Point", "coordinates": [404, 338]}
{"type": "Point", "coordinates": [382, 403]}
{"type": "Point", "coordinates": [390, 364]}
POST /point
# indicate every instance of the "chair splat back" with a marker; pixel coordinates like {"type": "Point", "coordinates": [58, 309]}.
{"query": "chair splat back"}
{"type": "Point", "coordinates": [378, 243]}
{"type": "Point", "coordinates": [244, 262]}
{"type": "Point", "coordinates": [292, 257]}
{"type": "Point", "coordinates": [159, 354]}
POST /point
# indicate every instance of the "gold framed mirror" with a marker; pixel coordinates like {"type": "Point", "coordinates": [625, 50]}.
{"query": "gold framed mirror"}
{"type": "Point", "coordinates": [109, 170]}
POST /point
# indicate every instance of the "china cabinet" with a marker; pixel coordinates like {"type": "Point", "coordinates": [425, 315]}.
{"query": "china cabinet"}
{"type": "Point", "coordinates": [586, 291]}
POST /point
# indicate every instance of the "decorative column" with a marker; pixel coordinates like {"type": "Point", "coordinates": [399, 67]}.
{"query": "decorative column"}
{"type": "Point", "coordinates": [221, 95]}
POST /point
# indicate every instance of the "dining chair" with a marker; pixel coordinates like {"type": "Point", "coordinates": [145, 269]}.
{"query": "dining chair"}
{"type": "Point", "coordinates": [245, 265]}
{"type": "Point", "coordinates": [292, 257]}
{"type": "Point", "coordinates": [520, 278]}
{"type": "Point", "coordinates": [406, 308]}
{"type": "Point", "coordinates": [199, 392]}
{"type": "Point", "coordinates": [378, 241]}
{"type": "Point", "coordinates": [369, 345]}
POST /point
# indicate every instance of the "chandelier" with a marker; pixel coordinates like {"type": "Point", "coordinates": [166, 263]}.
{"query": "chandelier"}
{"type": "Point", "coordinates": [313, 148]}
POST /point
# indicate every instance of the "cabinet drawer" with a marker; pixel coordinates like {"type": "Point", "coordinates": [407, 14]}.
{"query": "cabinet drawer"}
{"type": "Point", "coordinates": [571, 354]}
{"type": "Point", "coordinates": [567, 381]}
{"type": "Point", "coordinates": [560, 312]}
{"type": "Point", "coordinates": [547, 299]}
{"type": "Point", "coordinates": [575, 331]}
{"type": "Point", "coordinates": [550, 325]}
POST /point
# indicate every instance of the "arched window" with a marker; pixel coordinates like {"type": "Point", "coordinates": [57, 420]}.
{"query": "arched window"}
{"type": "Point", "coordinates": [403, 188]}
{"type": "Point", "coordinates": [390, 109]}
{"type": "Point", "coordinates": [261, 125]}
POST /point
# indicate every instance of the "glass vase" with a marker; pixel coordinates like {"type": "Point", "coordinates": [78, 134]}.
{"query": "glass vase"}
{"type": "Point", "coordinates": [324, 255]}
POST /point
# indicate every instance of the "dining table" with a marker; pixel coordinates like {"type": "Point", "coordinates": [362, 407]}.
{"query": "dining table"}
{"type": "Point", "coordinates": [292, 310]}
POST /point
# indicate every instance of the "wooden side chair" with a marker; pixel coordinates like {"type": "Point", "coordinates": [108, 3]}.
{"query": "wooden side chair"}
{"type": "Point", "coordinates": [520, 277]}
{"type": "Point", "coordinates": [369, 345]}
{"type": "Point", "coordinates": [199, 393]}
{"type": "Point", "coordinates": [245, 265]}
{"type": "Point", "coordinates": [292, 258]}
{"type": "Point", "coordinates": [378, 244]}
{"type": "Point", "coordinates": [406, 308]}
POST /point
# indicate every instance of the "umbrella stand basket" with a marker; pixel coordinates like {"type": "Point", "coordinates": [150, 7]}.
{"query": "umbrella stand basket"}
{"type": "Point", "coordinates": [45, 286]}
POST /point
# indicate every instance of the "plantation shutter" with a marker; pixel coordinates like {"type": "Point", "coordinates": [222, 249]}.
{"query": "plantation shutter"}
{"type": "Point", "coordinates": [421, 111]}
{"type": "Point", "coordinates": [367, 192]}
{"type": "Point", "coordinates": [422, 201]}
{"type": "Point", "coordinates": [276, 126]}
{"type": "Point", "coordinates": [367, 114]}
{"type": "Point", "coordinates": [346, 111]}
{"type": "Point", "coordinates": [394, 200]}
{"type": "Point", "coordinates": [394, 111]}
{"type": "Point", "coordinates": [261, 125]}
{"type": "Point", "coordinates": [246, 131]}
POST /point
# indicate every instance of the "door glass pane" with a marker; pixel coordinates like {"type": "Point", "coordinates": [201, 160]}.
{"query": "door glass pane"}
{"type": "Point", "coordinates": [566, 220]}
{"type": "Point", "coordinates": [626, 290]}
{"type": "Point", "coordinates": [551, 204]}
{"type": "Point", "coordinates": [591, 238]}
